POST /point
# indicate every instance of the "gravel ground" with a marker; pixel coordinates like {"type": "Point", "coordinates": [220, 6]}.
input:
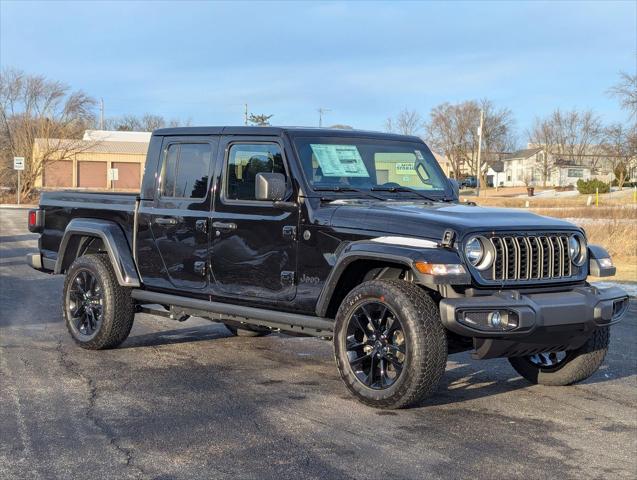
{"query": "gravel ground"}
{"type": "Point", "coordinates": [186, 400]}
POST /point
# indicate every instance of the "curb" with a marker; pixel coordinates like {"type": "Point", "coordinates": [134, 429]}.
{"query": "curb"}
{"type": "Point", "coordinates": [15, 206]}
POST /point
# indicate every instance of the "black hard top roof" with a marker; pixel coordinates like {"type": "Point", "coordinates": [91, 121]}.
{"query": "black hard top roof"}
{"type": "Point", "coordinates": [293, 131]}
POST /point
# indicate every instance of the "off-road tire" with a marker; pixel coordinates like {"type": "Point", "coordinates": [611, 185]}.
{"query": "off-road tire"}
{"type": "Point", "coordinates": [578, 365]}
{"type": "Point", "coordinates": [248, 331]}
{"type": "Point", "coordinates": [425, 338]}
{"type": "Point", "coordinates": [118, 307]}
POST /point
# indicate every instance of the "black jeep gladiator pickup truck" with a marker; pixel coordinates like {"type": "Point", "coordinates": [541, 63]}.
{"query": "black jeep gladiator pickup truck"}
{"type": "Point", "coordinates": [349, 235]}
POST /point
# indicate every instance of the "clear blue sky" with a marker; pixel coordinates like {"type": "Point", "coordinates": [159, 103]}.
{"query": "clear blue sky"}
{"type": "Point", "coordinates": [364, 61]}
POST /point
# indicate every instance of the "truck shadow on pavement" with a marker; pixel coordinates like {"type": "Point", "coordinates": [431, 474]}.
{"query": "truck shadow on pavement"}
{"type": "Point", "coordinates": [175, 336]}
{"type": "Point", "coordinates": [465, 379]}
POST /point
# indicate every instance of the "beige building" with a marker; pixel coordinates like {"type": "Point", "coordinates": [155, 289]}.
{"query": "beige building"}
{"type": "Point", "coordinates": [86, 163]}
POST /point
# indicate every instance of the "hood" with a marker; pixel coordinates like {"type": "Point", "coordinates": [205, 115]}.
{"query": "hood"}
{"type": "Point", "coordinates": [430, 221]}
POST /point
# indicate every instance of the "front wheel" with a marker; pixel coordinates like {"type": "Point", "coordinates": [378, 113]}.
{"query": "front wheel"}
{"type": "Point", "coordinates": [389, 343]}
{"type": "Point", "coordinates": [565, 368]}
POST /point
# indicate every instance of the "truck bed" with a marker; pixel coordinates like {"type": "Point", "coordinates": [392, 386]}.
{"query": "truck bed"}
{"type": "Point", "coordinates": [60, 207]}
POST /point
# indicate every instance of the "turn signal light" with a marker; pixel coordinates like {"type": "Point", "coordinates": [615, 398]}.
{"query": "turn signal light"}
{"type": "Point", "coordinates": [439, 268]}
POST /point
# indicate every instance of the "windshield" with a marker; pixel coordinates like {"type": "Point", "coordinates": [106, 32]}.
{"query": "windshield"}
{"type": "Point", "coordinates": [349, 164]}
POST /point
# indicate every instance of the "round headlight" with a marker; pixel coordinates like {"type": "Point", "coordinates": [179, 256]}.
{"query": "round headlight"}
{"type": "Point", "coordinates": [577, 249]}
{"type": "Point", "coordinates": [474, 251]}
{"type": "Point", "coordinates": [573, 247]}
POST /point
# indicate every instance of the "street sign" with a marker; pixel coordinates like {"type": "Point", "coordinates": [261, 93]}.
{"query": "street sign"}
{"type": "Point", "coordinates": [18, 164]}
{"type": "Point", "coordinates": [113, 174]}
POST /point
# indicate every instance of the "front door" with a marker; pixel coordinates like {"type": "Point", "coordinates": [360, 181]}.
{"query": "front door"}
{"type": "Point", "coordinates": [253, 242]}
{"type": "Point", "coordinates": [180, 218]}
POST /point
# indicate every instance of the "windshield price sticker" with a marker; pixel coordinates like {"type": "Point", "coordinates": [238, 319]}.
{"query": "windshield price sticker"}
{"type": "Point", "coordinates": [339, 160]}
{"type": "Point", "coordinates": [405, 168]}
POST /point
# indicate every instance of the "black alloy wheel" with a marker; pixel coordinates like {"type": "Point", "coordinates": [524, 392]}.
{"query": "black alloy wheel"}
{"type": "Point", "coordinates": [549, 360]}
{"type": "Point", "coordinates": [375, 345]}
{"type": "Point", "coordinates": [565, 367]}
{"type": "Point", "coordinates": [85, 305]}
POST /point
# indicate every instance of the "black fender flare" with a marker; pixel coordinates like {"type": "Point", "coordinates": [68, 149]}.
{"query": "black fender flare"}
{"type": "Point", "coordinates": [406, 255]}
{"type": "Point", "coordinates": [115, 243]}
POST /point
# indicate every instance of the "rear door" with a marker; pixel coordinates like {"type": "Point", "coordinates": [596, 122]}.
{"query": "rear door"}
{"type": "Point", "coordinates": [180, 217]}
{"type": "Point", "coordinates": [253, 242]}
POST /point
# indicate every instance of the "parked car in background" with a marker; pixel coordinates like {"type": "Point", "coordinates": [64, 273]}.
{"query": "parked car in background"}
{"type": "Point", "coordinates": [469, 182]}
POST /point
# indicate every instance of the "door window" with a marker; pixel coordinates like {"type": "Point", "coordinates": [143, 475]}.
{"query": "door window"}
{"type": "Point", "coordinates": [185, 171]}
{"type": "Point", "coordinates": [245, 161]}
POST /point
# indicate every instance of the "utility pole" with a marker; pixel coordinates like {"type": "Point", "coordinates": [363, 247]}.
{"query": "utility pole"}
{"type": "Point", "coordinates": [101, 114]}
{"type": "Point", "coordinates": [245, 114]}
{"type": "Point", "coordinates": [479, 153]}
{"type": "Point", "coordinates": [321, 111]}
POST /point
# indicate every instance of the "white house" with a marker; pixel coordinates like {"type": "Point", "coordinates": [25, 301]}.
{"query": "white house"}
{"type": "Point", "coordinates": [526, 167]}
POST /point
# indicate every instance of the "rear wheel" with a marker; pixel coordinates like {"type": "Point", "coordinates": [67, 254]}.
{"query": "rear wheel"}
{"type": "Point", "coordinates": [565, 368]}
{"type": "Point", "coordinates": [389, 343]}
{"type": "Point", "coordinates": [98, 312]}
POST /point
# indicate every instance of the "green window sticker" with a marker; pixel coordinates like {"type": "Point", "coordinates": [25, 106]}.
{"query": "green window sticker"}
{"type": "Point", "coordinates": [339, 160]}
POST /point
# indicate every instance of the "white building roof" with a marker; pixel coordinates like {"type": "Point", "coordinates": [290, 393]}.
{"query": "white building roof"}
{"type": "Point", "coordinates": [116, 136]}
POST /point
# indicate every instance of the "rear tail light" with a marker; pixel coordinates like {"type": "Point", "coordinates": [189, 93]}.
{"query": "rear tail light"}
{"type": "Point", "coordinates": [36, 220]}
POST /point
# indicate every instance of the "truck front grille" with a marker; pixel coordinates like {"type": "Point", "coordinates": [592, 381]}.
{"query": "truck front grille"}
{"type": "Point", "coordinates": [531, 257]}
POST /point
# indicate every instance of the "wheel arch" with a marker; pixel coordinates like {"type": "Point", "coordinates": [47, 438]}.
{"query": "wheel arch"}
{"type": "Point", "coordinates": [355, 271]}
{"type": "Point", "coordinates": [83, 236]}
{"type": "Point", "coordinates": [365, 256]}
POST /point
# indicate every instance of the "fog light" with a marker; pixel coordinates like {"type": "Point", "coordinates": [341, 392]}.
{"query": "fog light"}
{"type": "Point", "coordinates": [495, 319]}
{"type": "Point", "coordinates": [489, 320]}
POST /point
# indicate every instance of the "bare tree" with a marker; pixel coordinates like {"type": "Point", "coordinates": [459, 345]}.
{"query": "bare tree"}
{"type": "Point", "coordinates": [446, 133]}
{"type": "Point", "coordinates": [148, 122]}
{"type": "Point", "coordinates": [407, 122]}
{"type": "Point", "coordinates": [626, 91]}
{"type": "Point", "coordinates": [261, 120]}
{"type": "Point", "coordinates": [340, 126]}
{"type": "Point", "coordinates": [620, 144]}
{"type": "Point", "coordinates": [453, 130]}
{"type": "Point", "coordinates": [572, 136]}
{"type": "Point", "coordinates": [34, 107]}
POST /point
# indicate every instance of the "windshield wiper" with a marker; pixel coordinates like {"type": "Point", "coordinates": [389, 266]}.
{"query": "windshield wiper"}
{"type": "Point", "coordinates": [338, 188]}
{"type": "Point", "coordinates": [405, 189]}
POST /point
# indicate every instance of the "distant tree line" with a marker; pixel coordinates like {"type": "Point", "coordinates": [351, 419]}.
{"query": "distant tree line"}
{"type": "Point", "coordinates": [578, 136]}
{"type": "Point", "coordinates": [141, 123]}
{"type": "Point", "coordinates": [34, 107]}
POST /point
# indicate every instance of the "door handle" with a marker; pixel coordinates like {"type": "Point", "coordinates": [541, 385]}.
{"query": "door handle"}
{"type": "Point", "coordinates": [224, 226]}
{"type": "Point", "coordinates": [166, 221]}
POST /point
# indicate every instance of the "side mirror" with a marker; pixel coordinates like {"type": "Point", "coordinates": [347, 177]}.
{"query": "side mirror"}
{"type": "Point", "coordinates": [269, 186]}
{"type": "Point", "coordinates": [455, 188]}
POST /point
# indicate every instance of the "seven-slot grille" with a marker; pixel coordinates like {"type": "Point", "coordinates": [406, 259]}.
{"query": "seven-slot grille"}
{"type": "Point", "coordinates": [531, 257]}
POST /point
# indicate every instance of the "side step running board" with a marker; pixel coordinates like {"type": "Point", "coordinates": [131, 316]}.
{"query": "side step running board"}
{"type": "Point", "coordinates": [295, 322]}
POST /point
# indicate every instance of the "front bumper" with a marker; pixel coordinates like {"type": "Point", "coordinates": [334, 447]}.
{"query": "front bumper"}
{"type": "Point", "coordinates": [546, 321]}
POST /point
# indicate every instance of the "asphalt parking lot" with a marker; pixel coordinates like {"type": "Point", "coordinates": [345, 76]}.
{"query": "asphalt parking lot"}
{"type": "Point", "coordinates": [186, 400]}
